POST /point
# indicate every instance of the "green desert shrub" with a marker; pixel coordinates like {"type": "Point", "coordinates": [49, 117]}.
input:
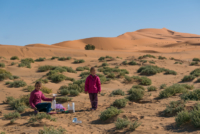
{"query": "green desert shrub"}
{"type": "Point", "coordinates": [109, 113]}
{"type": "Point", "coordinates": [40, 59]}
{"type": "Point", "coordinates": [111, 75]}
{"type": "Point", "coordinates": [39, 117]}
{"type": "Point", "coordinates": [194, 63]}
{"type": "Point", "coordinates": [192, 95]}
{"type": "Point", "coordinates": [18, 83]}
{"type": "Point", "coordinates": [9, 99]}
{"type": "Point", "coordinates": [104, 64]}
{"type": "Point", "coordinates": [26, 62]}
{"type": "Point", "coordinates": [120, 103]}
{"type": "Point", "coordinates": [161, 58]}
{"type": "Point", "coordinates": [5, 75]}
{"type": "Point", "coordinates": [103, 94]}
{"type": "Point", "coordinates": [152, 88]}
{"type": "Point", "coordinates": [195, 117]}
{"type": "Point", "coordinates": [170, 72]}
{"type": "Point", "coordinates": [177, 62]}
{"type": "Point", "coordinates": [121, 123]}
{"type": "Point", "coordinates": [15, 77]}
{"type": "Point", "coordinates": [138, 87]}
{"type": "Point", "coordinates": [118, 92]}
{"type": "Point", "coordinates": [143, 61]}
{"type": "Point", "coordinates": [152, 62]}
{"type": "Point", "coordinates": [135, 94]}
{"type": "Point", "coordinates": [42, 80]}
{"type": "Point", "coordinates": [147, 55]}
{"type": "Point", "coordinates": [132, 63]}
{"type": "Point", "coordinates": [13, 115]}
{"type": "Point", "coordinates": [196, 72]}
{"type": "Point", "coordinates": [74, 92]}
{"type": "Point", "coordinates": [198, 80]}
{"type": "Point", "coordinates": [64, 58]}
{"type": "Point", "coordinates": [80, 69]}
{"type": "Point", "coordinates": [79, 61]}
{"type": "Point", "coordinates": [64, 91]}
{"type": "Point", "coordinates": [89, 47]}
{"type": "Point", "coordinates": [173, 90]}
{"type": "Point", "coordinates": [172, 58]}
{"type": "Point", "coordinates": [63, 99]}
{"type": "Point", "coordinates": [57, 78]}
{"type": "Point", "coordinates": [14, 58]}
{"type": "Point", "coordinates": [54, 57]}
{"type": "Point", "coordinates": [101, 59]}
{"type": "Point", "coordinates": [163, 86]}
{"type": "Point", "coordinates": [52, 130]}
{"type": "Point", "coordinates": [70, 79]}
{"type": "Point", "coordinates": [12, 63]}
{"type": "Point", "coordinates": [190, 87]}
{"type": "Point", "coordinates": [84, 74]}
{"type": "Point", "coordinates": [46, 90]}
{"type": "Point", "coordinates": [182, 117]}
{"type": "Point", "coordinates": [29, 88]}
{"type": "Point", "coordinates": [150, 70]}
{"type": "Point", "coordinates": [8, 82]}
{"type": "Point", "coordinates": [134, 125]}
{"type": "Point", "coordinates": [45, 68]}
{"type": "Point", "coordinates": [2, 65]}
{"type": "Point", "coordinates": [174, 107]}
{"type": "Point", "coordinates": [142, 80]}
{"type": "Point", "coordinates": [195, 59]}
{"type": "Point", "coordinates": [125, 62]}
{"type": "Point", "coordinates": [188, 78]}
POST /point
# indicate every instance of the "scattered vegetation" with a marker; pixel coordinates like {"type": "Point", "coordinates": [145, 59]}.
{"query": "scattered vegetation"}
{"type": "Point", "coordinates": [143, 61]}
{"type": "Point", "coordinates": [57, 77]}
{"type": "Point", "coordinates": [54, 57]}
{"type": "Point", "coordinates": [5, 75]}
{"type": "Point", "coordinates": [44, 81]}
{"type": "Point", "coordinates": [79, 61]}
{"type": "Point", "coordinates": [70, 79]}
{"type": "Point", "coordinates": [142, 80]}
{"type": "Point", "coordinates": [163, 86]}
{"type": "Point", "coordinates": [152, 62]}
{"type": "Point", "coordinates": [135, 94]}
{"type": "Point", "coordinates": [13, 63]}
{"type": "Point", "coordinates": [134, 125]}
{"type": "Point", "coordinates": [52, 130]}
{"type": "Point", "coordinates": [14, 58]}
{"type": "Point", "coordinates": [188, 78]}
{"type": "Point", "coordinates": [89, 47]}
{"type": "Point", "coordinates": [172, 58]}
{"type": "Point", "coordinates": [170, 72]}
{"type": "Point", "coordinates": [177, 62]}
{"type": "Point", "coordinates": [63, 99]}
{"type": "Point", "coordinates": [194, 63]}
{"type": "Point", "coordinates": [174, 107]}
{"type": "Point", "coordinates": [182, 118]}
{"type": "Point", "coordinates": [121, 123]}
{"type": "Point", "coordinates": [74, 92]}
{"type": "Point", "coordinates": [120, 103]}
{"type": "Point", "coordinates": [64, 58]}
{"type": "Point", "coordinates": [132, 63]}
{"type": "Point", "coordinates": [198, 80]}
{"type": "Point", "coordinates": [17, 83]}
{"type": "Point", "coordinates": [104, 64]}
{"type": "Point", "coordinates": [161, 58]}
{"type": "Point", "coordinates": [125, 62]}
{"type": "Point", "coordinates": [117, 92]}
{"type": "Point", "coordinates": [147, 55]}
{"type": "Point", "coordinates": [26, 62]}
{"type": "Point", "coordinates": [13, 115]}
{"type": "Point", "coordinates": [173, 90]}
{"type": "Point", "coordinates": [196, 72]}
{"type": "Point", "coordinates": [103, 94]}
{"type": "Point", "coordinates": [192, 95]}
{"type": "Point", "coordinates": [29, 88]}
{"type": "Point", "coordinates": [40, 59]}
{"type": "Point", "coordinates": [152, 88]}
{"type": "Point", "coordinates": [2, 65]}
{"type": "Point", "coordinates": [39, 117]}
{"type": "Point", "coordinates": [82, 68]}
{"type": "Point", "coordinates": [195, 59]}
{"type": "Point", "coordinates": [107, 58]}
{"type": "Point", "coordinates": [46, 90]}
{"type": "Point", "coordinates": [109, 113]}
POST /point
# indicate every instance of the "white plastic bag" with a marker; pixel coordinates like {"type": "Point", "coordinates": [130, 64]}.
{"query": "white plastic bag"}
{"type": "Point", "coordinates": [71, 109]}
{"type": "Point", "coordinates": [54, 103]}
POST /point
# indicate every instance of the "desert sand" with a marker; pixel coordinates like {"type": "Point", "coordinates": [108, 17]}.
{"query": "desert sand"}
{"type": "Point", "coordinates": [129, 46]}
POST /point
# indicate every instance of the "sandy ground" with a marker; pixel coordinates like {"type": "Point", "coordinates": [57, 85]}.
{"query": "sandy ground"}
{"type": "Point", "coordinates": [146, 113]}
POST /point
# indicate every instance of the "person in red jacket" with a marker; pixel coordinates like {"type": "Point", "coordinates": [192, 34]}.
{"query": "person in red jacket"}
{"type": "Point", "coordinates": [93, 86]}
{"type": "Point", "coordinates": [36, 97]}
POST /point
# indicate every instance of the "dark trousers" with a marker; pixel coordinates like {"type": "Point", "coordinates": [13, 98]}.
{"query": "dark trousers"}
{"type": "Point", "coordinates": [94, 100]}
{"type": "Point", "coordinates": [44, 107]}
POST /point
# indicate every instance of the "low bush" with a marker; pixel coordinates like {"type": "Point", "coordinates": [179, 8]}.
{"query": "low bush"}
{"type": "Point", "coordinates": [74, 92]}
{"type": "Point", "coordinates": [121, 123]}
{"type": "Point", "coordinates": [195, 72]}
{"type": "Point", "coordinates": [52, 130]}
{"type": "Point", "coordinates": [8, 82]}
{"type": "Point", "coordinates": [120, 103]}
{"type": "Point", "coordinates": [174, 107]}
{"type": "Point", "coordinates": [82, 68]}
{"type": "Point", "coordinates": [192, 95]}
{"type": "Point", "coordinates": [64, 58]}
{"type": "Point", "coordinates": [2, 65]}
{"type": "Point", "coordinates": [103, 94]}
{"type": "Point", "coordinates": [172, 58]}
{"type": "Point", "coordinates": [111, 75]}
{"type": "Point", "coordinates": [195, 59]}
{"type": "Point", "coordinates": [46, 90]}
{"type": "Point", "coordinates": [147, 55]}
{"type": "Point", "coordinates": [63, 99]}
{"type": "Point", "coordinates": [79, 61]}
{"type": "Point", "coordinates": [182, 118]}
{"type": "Point", "coordinates": [142, 80]}
{"type": "Point", "coordinates": [40, 59]}
{"type": "Point", "coordinates": [109, 113]}
{"type": "Point", "coordinates": [70, 79]}
{"type": "Point", "coordinates": [194, 63]}
{"type": "Point", "coordinates": [188, 78]}
{"type": "Point", "coordinates": [150, 70]}
{"type": "Point", "coordinates": [13, 63]}
{"type": "Point", "coordinates": [84, 74]}
{"type": "Point", "coordinates": [26, 62]}
{"type": "Point", "coordinates": [163, 86]}
{"type": "Point", "coordinates": [194, 117]}
{"type": "Point", "coordinates": [14, 58]}
{"type": "Point", "coordinates": [13, 115]}
{"type": "Point", "coordinates": [15, 77]}
{"type": "Point", "coordinates": [134, 125]}
{"type": "Point", "coordinates": [135, 94]}
{"type": "Point", "coordinates": [152, 62]}
{"type": "Point", "coordinates": [42, 80]}
{"type": "Point", "coordinates": [29, 88]}
{"type": "Point", "coordinates": [173, 90]}
{"type": "Point", "coordinates": [178, 62]}
{"type": "Point", "coordinates": [145, 81]}
{"type": "Point", "coordinates": [190, 87]}
{"type": "Point", "coordinates": [198, 80]}
{"type": "Point", "coordinates": [152, 88]}
{"type": "Point", "coordinates": [57, 77]}
{"type": "Point", "coordinates": [39, 117]}
{"type": "Point", "coordinates": [138, 87]}
{"type": "Point", "coordinates": [132, 63]}
{"type": "Point", "coordinates": [64, 91]}
{"type": "Point", "coordinates": [170, 72]}
{"type": "Point", "coordinates": [18, 83]}
{"type": "Point", "coordinates": [5, 75]}
{"type": "Point", "coordinates": [45, 68]}
{"type": "Point", "coordinates": [101, 59]}
{"type": "Point", "coordinates": [54, 57]}
{"type": "Point", "coordinates": [161, 58]}
{"type": "Point", "coordinates": [117, 92]}
{"type": "Point", "coordinates": [125, 62]}
{"type": "Point", "coordinates": [89, 47]}
{"type": "Point", "coordinates": [104, 64]}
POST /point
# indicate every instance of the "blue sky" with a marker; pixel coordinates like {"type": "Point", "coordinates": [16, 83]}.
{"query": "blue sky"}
{"type": "Point", "coordinates": [25, 22]}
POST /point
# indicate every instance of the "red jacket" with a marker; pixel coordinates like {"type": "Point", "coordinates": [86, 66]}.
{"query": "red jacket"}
{"type": "Point", "coordinates": [36, 97]}
{"type": "Point", "coordinates": [92, 84]}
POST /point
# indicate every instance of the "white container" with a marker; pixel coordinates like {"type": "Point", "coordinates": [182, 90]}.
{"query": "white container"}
{"type": "Point", "coordinates": [71, 109]}
{"type": "Point", "coordinates": [54, 103]}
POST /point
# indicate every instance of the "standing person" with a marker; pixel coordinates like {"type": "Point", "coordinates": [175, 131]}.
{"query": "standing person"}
{"type": "Point", "coordinates": [36, 97]}
{"type": "Point", "coordinates": [93, 86]}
